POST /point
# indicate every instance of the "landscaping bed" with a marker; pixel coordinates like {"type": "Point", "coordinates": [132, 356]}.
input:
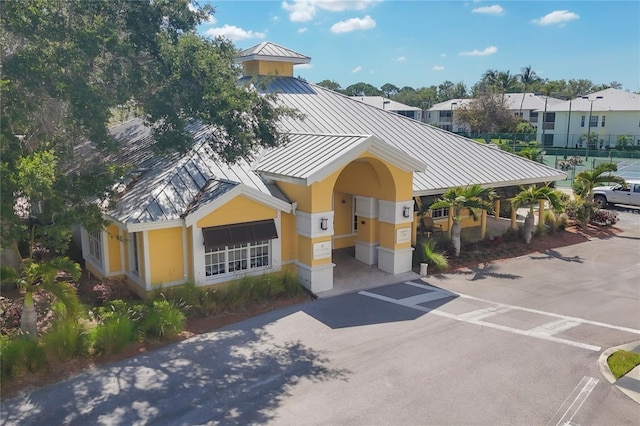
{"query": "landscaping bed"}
{"type": "Point", "coordinates": [472, 255]}
{"type": "Point", "coordinates": [478, 253]}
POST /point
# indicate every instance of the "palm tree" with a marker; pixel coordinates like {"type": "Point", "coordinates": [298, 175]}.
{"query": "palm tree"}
{"type": "Point", "coordinates": [474, 198]}
{"type": "Point", "coordinates": [533, 154]}
{"type": "Point", "coordinates": [43, 275]}
{"type": "Point", "coordinates": [530, 197]}
{"type": "Point", "coordinates": [527, 77]}
{"type": "Point", "coordinates": [589, 179]}
{"type": "Point", "coordinates": [623, 141]}
{"type": "Point", "coordinates": [590, 138]}
{"type": "Point", "coordinates": [506, 82]}
{"type": "Point", "coordinates": [490, 78]}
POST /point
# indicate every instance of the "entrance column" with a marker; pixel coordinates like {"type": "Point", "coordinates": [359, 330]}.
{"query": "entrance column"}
{"type": "Point", "coordinates": [315, 268]}
{"type": "Point", "coordinates": [367, 240]}
{"type": "Point", "coordinates": [395, 253]}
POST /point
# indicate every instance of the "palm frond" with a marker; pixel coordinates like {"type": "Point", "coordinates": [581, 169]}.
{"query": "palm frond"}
{"type": "Point", "coordinates": [65, 293]}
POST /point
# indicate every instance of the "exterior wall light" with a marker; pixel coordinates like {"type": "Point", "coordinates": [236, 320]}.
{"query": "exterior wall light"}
{"type": "Point", "coordinates": [324, 223]}
{"type": "Point", "coordinates": [405, 211]}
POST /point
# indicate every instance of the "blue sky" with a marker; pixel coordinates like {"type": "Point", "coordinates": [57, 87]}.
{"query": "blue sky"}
{"type": "Point", "coordinates": [422, 43]}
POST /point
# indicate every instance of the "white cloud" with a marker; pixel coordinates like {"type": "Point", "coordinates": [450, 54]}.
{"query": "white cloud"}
{"type": "Point", "coordinates": [299, 11]}
{"type": "Point", "coordinates": [356, 69]}
{"type": "Point", "coordinates": [233, 33]}
{"type": "Point", "coordinates": [442, 55]}
{"type": "Point", "coordinates": [303, 66]}
{"type": "Point", "coordinates": [401, 59]}
{"type": "Point", "coordinates": [305, 10]}
{"type": "Point", "coordinates": [438, 68]}
{"type": "Point", "coordinates": [275, 18]}
{"type": "Point", "coordinates": [488, 51]}
{"type": "Point", "coordinates": [489, 10]}
{"type": "Point", "coordinates": [557, 17]}
{"type": "Point", "coordinates": [302, 30]}
{"type": "Point", "coordinates": [353, 24]}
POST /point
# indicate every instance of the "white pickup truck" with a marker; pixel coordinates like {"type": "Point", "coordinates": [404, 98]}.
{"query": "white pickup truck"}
{"type": "Point", "coordinates": [618, 194]}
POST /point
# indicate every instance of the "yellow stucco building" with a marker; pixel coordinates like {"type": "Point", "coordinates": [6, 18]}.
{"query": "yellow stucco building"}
{"type": "Point", "coordinates": [351, 175]}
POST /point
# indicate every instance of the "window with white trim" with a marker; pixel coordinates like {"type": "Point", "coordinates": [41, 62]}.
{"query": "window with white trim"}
{"type": "Point", "coordinates": [582, 120]}
{"type": "Point", "coordinates": [603, 120]}
{"type": "Point", "coordinates": [230, 249]}
{"type": "Point", "coordinates": [95, 244]}
{"type": "Point", "coordinates": [441, 212]}
{"type": "Point", "coordinates": [594, 121]}
{"type": "Point", "coordinates": [237, 258]}
{"type": "Point", "coordinates": [133, 253]}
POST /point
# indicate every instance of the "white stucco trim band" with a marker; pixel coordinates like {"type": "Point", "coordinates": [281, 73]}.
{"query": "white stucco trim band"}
{"type": "Point", "coordinates": [392, 212]}
{"type": "Point", "coordinates": [308, 224]}
{"type": "Point", "coordinates": [367, 252]}
{"type": "Point", "coordinates": [316, 278]}
{"type": "Point", "coordinates": [395, 261]}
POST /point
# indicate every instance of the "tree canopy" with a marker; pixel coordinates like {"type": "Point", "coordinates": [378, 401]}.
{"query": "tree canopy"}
{"type": "Point", "coordinates": [67, 65]}
{"type": "Point", "coordinates": [486, 113]}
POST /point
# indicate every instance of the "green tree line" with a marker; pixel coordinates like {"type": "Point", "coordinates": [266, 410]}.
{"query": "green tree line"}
{"type": "Point", "coordinates": [492, 81]}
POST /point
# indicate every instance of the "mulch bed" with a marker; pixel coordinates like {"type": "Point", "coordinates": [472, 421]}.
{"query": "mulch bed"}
{"type": "Point", "coordinates": [482, 252]}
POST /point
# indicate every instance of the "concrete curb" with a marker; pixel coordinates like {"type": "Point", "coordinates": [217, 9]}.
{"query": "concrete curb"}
{"type": "Point", "coordinates": [628, 384]}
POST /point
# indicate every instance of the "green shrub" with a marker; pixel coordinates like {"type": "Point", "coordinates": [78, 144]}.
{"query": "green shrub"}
{"type": "Point", "coordinates": [550, 221]}
{"type": "Point", "coordinates": [114, 334]}
{"type": "Point", "coordinates": [194, 301]}
{"type": "Point", "coordinates": [291, 284]}
{"type": "Point", "coordinates": [162, 320]}
{"type": "Point", "coordinates": [433, 258]}
{"type": "Point", "coordinates": [117, 308]}
{"type": "Point", "coordinates": [561, 221]}
{"type": "Point", "coordinates": [20, 355]}
{"type": "Point", "coordinates": [67, 339]}
{"type": "Point", "coordinates": [581, 211]}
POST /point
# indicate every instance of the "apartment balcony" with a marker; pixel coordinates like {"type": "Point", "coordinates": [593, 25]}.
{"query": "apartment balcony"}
{"type": "Point", "coordinates": [549, 126]}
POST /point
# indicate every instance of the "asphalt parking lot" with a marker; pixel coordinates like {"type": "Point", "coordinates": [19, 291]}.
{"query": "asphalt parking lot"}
{"type": "Point", "coordinates": [515, 342]}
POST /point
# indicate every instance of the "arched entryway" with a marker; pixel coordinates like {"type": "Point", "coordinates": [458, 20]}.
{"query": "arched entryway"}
{"type": "Point", "coordinates": [364, 178]}
{"type": "Point", "coordinates": [372, 220]}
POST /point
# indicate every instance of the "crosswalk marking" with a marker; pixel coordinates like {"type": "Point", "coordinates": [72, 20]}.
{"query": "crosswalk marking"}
{"type": "Point", "coordinates": [545, 331]}
{"type": "Point", "coordinates": [483, 313]}
{"type": "Point", "coordinates": [554, 327]}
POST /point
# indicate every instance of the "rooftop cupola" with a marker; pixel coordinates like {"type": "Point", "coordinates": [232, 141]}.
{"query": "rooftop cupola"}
{"type": "Point", "coordinates": [269, 58]}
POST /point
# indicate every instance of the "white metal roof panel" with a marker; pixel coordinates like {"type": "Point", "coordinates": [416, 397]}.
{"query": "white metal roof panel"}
{"type": "Point", "coordinates": [272, 52]}
{"type": "Point", "coordinates": [305, 154]}
{"type": "Point", "coordinates": [384, 103]}
{"type": "Point", "coordinates": [175, 183]}
{"type": "Point", "coordinates": [451, 160]}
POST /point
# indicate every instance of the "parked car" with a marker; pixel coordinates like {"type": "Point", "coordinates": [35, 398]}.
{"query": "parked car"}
{"type": "Point", "coordinates": [618, 194]}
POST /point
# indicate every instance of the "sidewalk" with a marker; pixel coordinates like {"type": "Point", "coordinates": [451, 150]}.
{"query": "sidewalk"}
{"type": "Point", "coordinates": [628, 384]}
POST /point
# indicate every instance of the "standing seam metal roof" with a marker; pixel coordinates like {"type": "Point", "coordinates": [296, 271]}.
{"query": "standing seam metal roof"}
{"type": "Point", "coordinates": [271, 51]}
{"type": "Point", "coordinates": [452, 160]}
{"type": "Point", "coordinates": [173, 185]}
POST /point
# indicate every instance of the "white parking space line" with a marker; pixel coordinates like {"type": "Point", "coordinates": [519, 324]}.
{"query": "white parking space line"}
{"type": "Point", "coordinates": [581, 392]}
{"type": "Point", "coordinates": [554, 327]}
{"type": "Point", "coordinates": [551, 314]}
{"type": "Point", "coordinates": [403, 302]}
{"type": "Point", "coordinates": [483, 313]}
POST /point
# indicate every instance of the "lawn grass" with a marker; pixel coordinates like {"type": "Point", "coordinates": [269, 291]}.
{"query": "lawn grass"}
{"type": "Point", "coordinates": [621, 362]}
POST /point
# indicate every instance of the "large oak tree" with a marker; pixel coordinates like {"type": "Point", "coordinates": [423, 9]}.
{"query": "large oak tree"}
{"type": "Point", "coordinates": [67, 64]}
